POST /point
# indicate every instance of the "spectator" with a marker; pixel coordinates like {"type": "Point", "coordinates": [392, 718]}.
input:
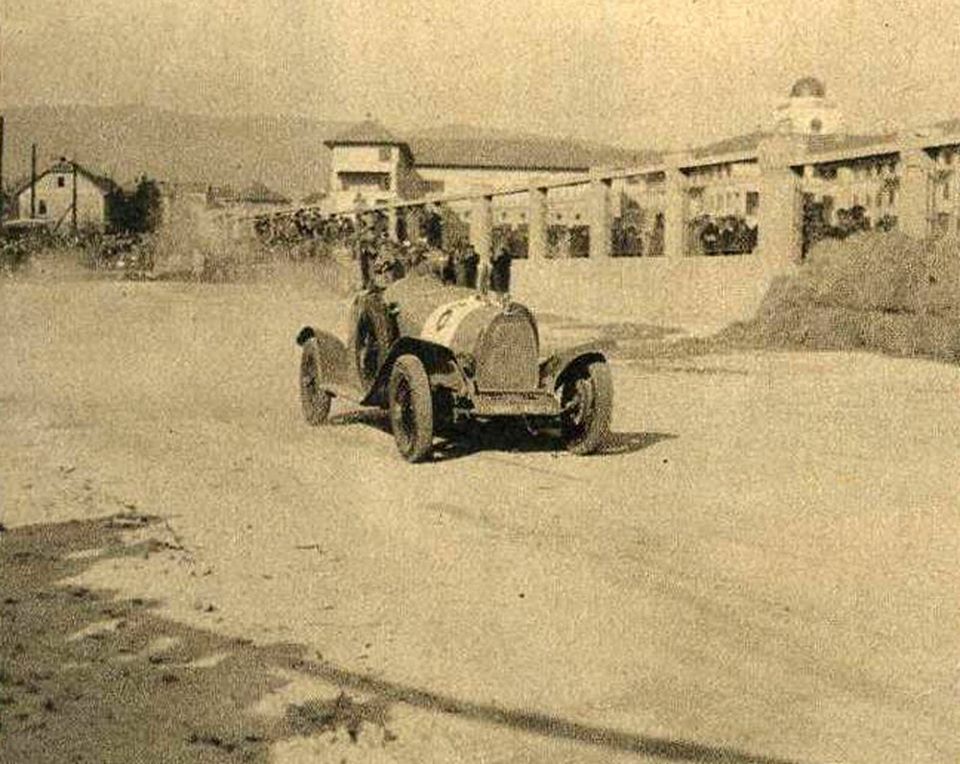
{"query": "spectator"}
{"type": "Point", "coordinates": [465, 265]}
{"type": "Point", "coordinates": [500, 271]}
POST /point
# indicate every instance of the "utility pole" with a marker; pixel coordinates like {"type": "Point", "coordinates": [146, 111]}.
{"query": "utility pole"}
{"type": "Point", "coordinates": [3, 193]}
{"type": "Point", "coordinates": [33, 180]}
{"type": "Point", "coordinates": [73, 200]}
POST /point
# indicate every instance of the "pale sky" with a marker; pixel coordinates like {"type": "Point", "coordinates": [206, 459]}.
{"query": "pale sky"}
{"type": "Point", "coordinates": [640, 73]}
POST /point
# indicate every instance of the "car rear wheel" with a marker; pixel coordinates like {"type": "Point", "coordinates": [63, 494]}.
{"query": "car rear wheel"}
{"type": "Point", "coordinates": [314, 400]}
{"type": "Point", "coordinates": [411, 408]}
{"type": "Point", "coordinates": [586, 397]}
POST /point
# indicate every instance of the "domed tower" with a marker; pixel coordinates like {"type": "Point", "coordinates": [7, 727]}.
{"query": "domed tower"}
{"type": "Point", "coordinates": [807, 111]}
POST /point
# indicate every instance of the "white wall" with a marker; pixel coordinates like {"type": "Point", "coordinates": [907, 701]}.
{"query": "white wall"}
{"type": "Point", "coordinates": [91, 206]}
{"type": "Point", "coordinates": [466, 179]}
{"type": "Point", "coordinates": [699, 294]}
{"type": "Point", "coordinates": [364, 159]}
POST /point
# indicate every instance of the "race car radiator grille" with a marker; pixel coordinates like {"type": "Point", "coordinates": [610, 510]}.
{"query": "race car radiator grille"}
{"type": "Point", "coordinates": [507, 355]}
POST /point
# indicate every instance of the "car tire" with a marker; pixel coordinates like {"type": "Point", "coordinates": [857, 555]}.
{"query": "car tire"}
{"type": "Point", "coordinates": [373, 337]}
{"type": "Point", "coordinates": [411, 408]}
{"type": "Point", "coordinates": [586, 396]}
{"type": "Point", "coordinates": [314, 400]}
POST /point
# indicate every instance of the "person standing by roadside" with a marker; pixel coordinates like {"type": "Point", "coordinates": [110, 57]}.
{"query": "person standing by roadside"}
{"type": "Point", "coordinates": [500, 270]}
{"type": "Point", "coordinates": [465, 264]}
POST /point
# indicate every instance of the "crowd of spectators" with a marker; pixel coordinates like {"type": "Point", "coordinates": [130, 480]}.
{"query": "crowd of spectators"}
{"type": "Point", "coordinates": [131, 253]}
{"type": "Point", "coordinates": [382, 258]}
{"type": "Point", "coordinates": [846, 222]}
{"type": "Point", "coordinates": [721, 235]}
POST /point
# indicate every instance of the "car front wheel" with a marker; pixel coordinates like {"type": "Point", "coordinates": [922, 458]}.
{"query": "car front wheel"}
{"type": "Point", "coordinates": [314, 400]}
{"type": "Point", "coordinates": [411, 408]}
{"type": "Point", "coordinates": [586, 397]}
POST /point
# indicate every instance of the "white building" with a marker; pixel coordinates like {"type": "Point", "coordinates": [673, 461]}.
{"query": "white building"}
{"type": "Point", "coordinates": [60, 186]}
{"type": "Point", "coordinates": [370, 165]}
{"type": "Point", "coordinates": [807, 110]}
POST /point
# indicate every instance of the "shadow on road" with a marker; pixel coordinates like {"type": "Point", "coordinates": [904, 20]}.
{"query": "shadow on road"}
{"type": "Point", "coordinates": [515, 438]}
{"type": "Point", "coordinates": [505, 436]}
{"type": "Point", "coordinates": [630, 442]}
{"type": "Point", "coordinates": [75, 686]}
{"type": "Point", "coordinates": [536, 723]}
{"type": "Point", "coordinates": [373, 417]}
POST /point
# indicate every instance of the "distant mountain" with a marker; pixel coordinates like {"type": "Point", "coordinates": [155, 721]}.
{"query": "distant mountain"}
{"type": "Point", "coordinates": [459, 132]}
{"type": "Point", "coordinates": [467, 144]}
{"type": "Point", "coordinates": [284, 153]}
{"type": "Point", "coordinates": [455, 131]}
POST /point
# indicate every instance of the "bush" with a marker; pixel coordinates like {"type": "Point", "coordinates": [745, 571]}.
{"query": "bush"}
{"type": "Point", "coordinates": [874, 291]}
{"type": "Point", "coordinates": [17, 249]}
{"type": "Point", "coordinates": [890, 273]}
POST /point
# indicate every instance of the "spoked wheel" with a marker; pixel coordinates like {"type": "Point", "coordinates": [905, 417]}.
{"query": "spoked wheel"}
{"type": "Point", "coordinates": [368, 353]}
{"type": "Point", "coordinates": [411, 408]}
{"type": "Point", "coordinates": [372, 339]}
{"type": "Point", "coordinates": [586, 397]}
{"type": "Point", "coordinates": [314, 400]}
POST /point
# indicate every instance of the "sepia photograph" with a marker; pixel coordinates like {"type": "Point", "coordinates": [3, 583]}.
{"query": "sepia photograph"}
{"type": "Point", "coordinates": [454, 382]}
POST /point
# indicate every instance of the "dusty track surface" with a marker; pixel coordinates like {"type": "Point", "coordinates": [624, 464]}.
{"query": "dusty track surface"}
{"type": "Point", "coordinates": [761, 567]}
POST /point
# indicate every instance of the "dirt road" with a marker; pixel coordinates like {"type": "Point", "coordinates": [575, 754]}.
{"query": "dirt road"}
{"type": "Point", "coordinates": [762, 566]}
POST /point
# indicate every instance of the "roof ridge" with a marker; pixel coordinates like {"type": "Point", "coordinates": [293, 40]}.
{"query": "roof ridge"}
{"type": "Point", "coordinates": [367, 131]}
{"type": "Point", "coordinates": [62, 166]}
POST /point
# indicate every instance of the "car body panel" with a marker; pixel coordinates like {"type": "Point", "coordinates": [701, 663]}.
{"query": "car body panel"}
{"type": "Point", "coordinates": [440, 364]}
{"type": "Point", "coordinates": [553, 368]}
{"type": "Point", "coordinates": [336, 362]}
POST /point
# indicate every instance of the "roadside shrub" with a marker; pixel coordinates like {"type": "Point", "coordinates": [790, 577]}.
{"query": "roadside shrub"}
{"type": "Point", "coordinates": [14, 254]}
{"type": "Point", "coordinates": [890, 273]}
{"type": "Point", "coordinates": [885, 292]}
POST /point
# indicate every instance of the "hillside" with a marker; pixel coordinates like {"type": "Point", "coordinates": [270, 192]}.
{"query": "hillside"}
{"type": "Point", "coordinates": [447, 140]}
{"type": "Point", "coordinates": [285, 153]}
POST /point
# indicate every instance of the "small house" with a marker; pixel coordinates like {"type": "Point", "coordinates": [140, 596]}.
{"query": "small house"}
{"type": "Point", "coordinates": [67, 193]}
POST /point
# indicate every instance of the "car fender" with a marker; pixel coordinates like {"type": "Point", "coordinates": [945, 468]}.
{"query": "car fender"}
{"type": "Point", "coordinates": [554, 367]}
{"type": "Point", "coordinates": [439, 362]}
{"type": "Point", "coordinates": [338, 371]}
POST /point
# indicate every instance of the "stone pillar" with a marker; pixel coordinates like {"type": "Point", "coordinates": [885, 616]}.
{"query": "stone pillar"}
{"type": "Point", "coordinates": [675, 210]}
{"type": "Point", "coordinates": [537, 224]}
{"type": "Point", "coordinates": [913, 196]}
{"type": "Point", "coordinates": [414, 222]}
{"type": "Point", "coordinates": [392, 223]}
{"type": "Point", "coordinates": [481, 227]}
{"type": "Point", "coordinates": [565, 244]}
{"type": "Point", "coordinates": [780, 218]}
{"type": "Point", "coordinates": [601, 235]}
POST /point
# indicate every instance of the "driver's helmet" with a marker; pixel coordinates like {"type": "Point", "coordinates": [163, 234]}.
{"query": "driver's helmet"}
{"type": "Point", "coordinates": [387, 268]}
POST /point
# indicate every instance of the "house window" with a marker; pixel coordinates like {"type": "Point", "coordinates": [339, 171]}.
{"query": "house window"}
{"type": "Point", "coordinates": [61, 181]}
{"type": "Point", "coordinates": [41, 207]}
{"type": "Point", "coordinates": [385, 183]}
{"type": "Point", "coordinates": [386, 153]}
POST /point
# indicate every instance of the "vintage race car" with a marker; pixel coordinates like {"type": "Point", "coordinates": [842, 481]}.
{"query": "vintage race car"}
{"type": "Point", "coordinates": [434, 355]}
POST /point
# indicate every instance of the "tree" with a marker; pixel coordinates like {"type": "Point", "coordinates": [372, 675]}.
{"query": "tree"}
{"type": "Point", "coordinates": [136, 212]}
